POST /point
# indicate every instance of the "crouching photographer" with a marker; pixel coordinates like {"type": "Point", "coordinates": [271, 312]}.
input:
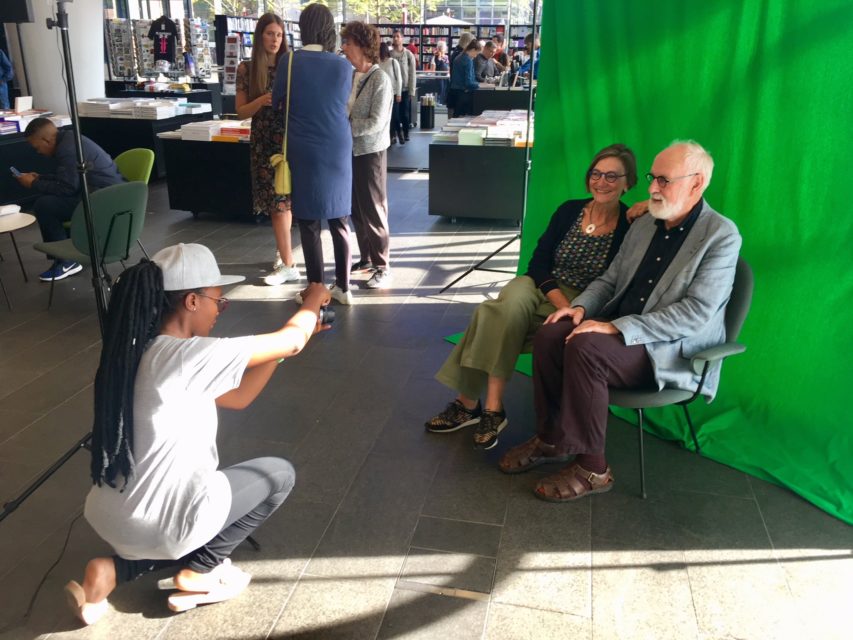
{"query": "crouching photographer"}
{"type": "Point", "coordinates": [159, 498]}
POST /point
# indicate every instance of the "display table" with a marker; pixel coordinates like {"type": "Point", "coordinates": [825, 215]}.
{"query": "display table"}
{"type": "Point", "coordinates": [504, 99]}
{"type": "Point", "coordinates": [476, 182]}
{"type": "Point", "coordinates": [16, 152]}
{"type": "Point", "coordinates": [209, 92]}
{"type": "Point", "coordinates": [116, 135]}
{"type": "Point", "coordinates": [212, 177]}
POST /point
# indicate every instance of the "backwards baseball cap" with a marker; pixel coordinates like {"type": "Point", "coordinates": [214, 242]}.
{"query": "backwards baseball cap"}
{"type": "Point", "coordinates": [190, 266]}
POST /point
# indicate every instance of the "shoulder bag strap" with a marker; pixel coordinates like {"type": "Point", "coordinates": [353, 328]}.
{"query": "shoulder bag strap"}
{"type": "Point", "coordinates": [287, 107]}
{"type": "Point", "coordinates": [364, 82]}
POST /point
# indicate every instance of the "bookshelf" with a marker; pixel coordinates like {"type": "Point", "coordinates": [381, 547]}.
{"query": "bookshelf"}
{"type": "Point", "coordinates": [242, 26]}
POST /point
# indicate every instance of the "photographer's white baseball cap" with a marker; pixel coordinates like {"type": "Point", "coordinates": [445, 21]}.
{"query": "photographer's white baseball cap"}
{"type": "Point", "coordinates": [190, 266]}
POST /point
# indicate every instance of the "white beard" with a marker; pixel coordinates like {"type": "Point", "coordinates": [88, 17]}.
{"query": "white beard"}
{"type": "Point", "coordinates": [665, 209]}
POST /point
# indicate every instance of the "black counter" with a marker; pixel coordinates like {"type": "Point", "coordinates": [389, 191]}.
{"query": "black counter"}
{"type": "Point", "coordinates": [212, 177]}
{"type": "Point", "coordinates": [476, 182]}
{"type": "Point", "coordinates": [116, 135]}
{"type": "Point", "coordinates": [490, 99]}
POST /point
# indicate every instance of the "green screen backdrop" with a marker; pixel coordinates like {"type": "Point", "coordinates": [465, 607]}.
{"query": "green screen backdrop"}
{"type": "Point", "coordinates": [767, 88]}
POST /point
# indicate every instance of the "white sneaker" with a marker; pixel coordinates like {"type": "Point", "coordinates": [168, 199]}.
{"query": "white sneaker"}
{"type": "Point", "coordinates": [340, 296]}
{"type": "Point", "coordinates": [282, 274]}
{"type": "Point", "coordinates": [381, 279]}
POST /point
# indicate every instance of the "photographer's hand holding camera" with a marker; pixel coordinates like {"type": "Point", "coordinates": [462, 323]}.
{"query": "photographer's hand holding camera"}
{"type": "Point", "coordinates": [159, 498]}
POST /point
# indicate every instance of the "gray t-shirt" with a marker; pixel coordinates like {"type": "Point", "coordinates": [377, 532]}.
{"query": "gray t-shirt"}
{"type": "Point", "coordinates": [177, 500]}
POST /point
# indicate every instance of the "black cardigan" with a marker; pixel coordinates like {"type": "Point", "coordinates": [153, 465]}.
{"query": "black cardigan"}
{"type": "Point", "coordinates": [542, 261]}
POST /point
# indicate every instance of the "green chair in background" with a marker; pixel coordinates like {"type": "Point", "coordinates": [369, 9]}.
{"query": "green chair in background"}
{"type": "Point", "coordinates": [134, 165]}
{"type": "Point", "coordinates": [118, 214]}
{"type": "Point", "coordinates": [736, 312]}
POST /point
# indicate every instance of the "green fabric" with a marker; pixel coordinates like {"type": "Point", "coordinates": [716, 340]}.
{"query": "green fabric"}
{"type": "Point", "coordinates": [767, 88]}
{"type": "Point", "coordinates": [524, 364]}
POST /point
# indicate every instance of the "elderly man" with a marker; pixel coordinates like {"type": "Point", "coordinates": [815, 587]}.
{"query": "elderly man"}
{"type": "Point", "coordinates": [662, 299]}
{"type": "Point", "coordinates": [407, 70]}
{"type": "Point", "coordinates": [485, 66]}
{"type": "Point", "coordinates": [60, 193]}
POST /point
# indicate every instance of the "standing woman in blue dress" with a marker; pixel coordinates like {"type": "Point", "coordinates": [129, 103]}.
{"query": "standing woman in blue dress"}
{"type": "Point", "coordinates": [319, 145]}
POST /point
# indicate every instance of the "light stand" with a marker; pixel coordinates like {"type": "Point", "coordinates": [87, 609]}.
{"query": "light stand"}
{"type": "Point", "coordinates": [479, 266]}
{"type": "Point", "coordinates": [98, 283]}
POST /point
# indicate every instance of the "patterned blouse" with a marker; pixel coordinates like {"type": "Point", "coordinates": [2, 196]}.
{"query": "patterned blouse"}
{"type": "Point", "coordinates": [580, 258]}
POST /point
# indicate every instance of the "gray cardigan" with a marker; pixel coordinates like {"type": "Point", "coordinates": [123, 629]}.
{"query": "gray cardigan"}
{"type": "Point", "coordinates": [392, 68]}
{"type": "Point", "coordinates": [370, 115]}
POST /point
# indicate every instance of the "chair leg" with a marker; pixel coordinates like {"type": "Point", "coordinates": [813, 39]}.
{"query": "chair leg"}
{"type": "Point", "coordinates": [50, 297]}
{"type": "Point", "coordinates": [692, 430]}
{"type": "Point", "coordinates": [139, 242]}
{"type": "Point", "coordinates": [642, 454]}
{"type": "Point", "coordinates": [5, 295]}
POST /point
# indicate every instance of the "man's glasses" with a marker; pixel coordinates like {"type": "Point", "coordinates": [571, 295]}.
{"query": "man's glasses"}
{"type": "Point", "coordinates": [221, 303]}
{"type": "Point", "coordinates": [664, 181]}
{"type": "Point", "coordinates": [610, 176]}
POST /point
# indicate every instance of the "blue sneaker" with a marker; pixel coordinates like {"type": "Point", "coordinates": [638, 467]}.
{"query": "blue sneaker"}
{"type": "Point", "coordinates": [60, 270]}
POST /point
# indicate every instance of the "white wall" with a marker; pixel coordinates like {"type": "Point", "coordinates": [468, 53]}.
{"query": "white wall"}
{"type": "Point", "coordinates": [43, 53]}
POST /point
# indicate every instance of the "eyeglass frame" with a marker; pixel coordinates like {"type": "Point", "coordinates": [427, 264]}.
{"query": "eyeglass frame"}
{"type": "Point", "coordinates": [666, 181]}
{"type": "Point", "coordinates": [221, 303]}
{"type": "Point", "coordinates": [607, 175]}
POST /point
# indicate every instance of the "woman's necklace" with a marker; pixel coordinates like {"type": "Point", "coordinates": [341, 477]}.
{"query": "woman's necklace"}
{"type": "Point", "coordinates": [591, 227]}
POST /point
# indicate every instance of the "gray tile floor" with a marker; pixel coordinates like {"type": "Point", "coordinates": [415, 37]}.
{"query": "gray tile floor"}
{"type": "Point", "coordinates": [392, 532]}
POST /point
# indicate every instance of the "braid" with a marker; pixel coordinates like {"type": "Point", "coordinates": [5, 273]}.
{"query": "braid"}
{"type": "Point", "coordinates": [317, 26]}
{"type": "Point", "coordinates": [137, 306]}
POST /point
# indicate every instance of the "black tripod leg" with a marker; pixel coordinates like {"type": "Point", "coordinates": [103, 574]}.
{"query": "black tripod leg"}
{"type": "Point", "coordinates": [10, 506]}
{"type": "Point", "coordinates": [483, 261]}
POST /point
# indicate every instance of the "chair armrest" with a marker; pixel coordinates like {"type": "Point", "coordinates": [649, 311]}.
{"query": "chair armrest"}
{"type": "Point", "coordinates": [714, 354]}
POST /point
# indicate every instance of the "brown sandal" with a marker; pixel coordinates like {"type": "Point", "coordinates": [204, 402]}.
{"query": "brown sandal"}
{"type": "Point", "coordinates": [566, 485]}
{"type": "Point", "coordinates": [530, 454]}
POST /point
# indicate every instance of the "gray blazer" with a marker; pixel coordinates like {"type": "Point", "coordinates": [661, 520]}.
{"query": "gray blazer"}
{"type": "Point", "coordinates": [370, 116]}
{"type": "Point", "coordinates": [685, 312]}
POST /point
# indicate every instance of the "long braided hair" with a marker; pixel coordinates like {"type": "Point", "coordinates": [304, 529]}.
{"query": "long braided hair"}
{"type": "Point", "coordinates": [137, 307]}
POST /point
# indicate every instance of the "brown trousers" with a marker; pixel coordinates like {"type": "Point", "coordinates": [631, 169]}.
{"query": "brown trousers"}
{"type": "Point", "coordinates": [570, 382]}
{"type": "Point", "coordinates": [370, 207]}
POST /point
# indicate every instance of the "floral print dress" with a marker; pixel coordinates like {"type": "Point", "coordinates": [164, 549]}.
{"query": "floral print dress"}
{"type": "Point", "coordinates": [266, 140]}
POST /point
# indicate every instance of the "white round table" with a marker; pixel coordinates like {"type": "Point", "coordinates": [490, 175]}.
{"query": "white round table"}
{"type": "Point", "coordinates": [10, 223]}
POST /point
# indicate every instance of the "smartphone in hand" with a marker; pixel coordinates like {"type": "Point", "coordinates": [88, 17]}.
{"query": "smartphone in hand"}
{"type": "Point", "coordinates": [15, 172]}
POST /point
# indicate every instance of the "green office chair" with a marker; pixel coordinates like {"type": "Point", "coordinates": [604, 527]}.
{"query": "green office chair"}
{"type": "Point", "coordinates": [736, 312]}
{"type": "Point", "coordinates": [118, 213]}
{"type": "Point", "coordinates": [134, 165]}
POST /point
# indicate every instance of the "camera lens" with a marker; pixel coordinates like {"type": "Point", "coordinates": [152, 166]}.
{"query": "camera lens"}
{"type": "Point", "coordinates": [327, 315]}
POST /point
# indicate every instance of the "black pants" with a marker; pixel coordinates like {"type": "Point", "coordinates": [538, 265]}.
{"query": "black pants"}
{"type": "Point", "coordinates": [370, 207]}
{"type": "Point", "coordinates": [258, 487]}
{"type": "Point", "coordinates": [396, 125]}
{"type": "Point", "coordinates": [570, 382]}
{"type": "Point", "coordinates": [405, 114]}
{"type": "Point", "coordinates": [51, 212]}
{"type": "Point", "coordinates": [312, 249]}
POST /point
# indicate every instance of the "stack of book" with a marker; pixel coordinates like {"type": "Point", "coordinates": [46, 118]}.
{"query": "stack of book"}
{"type": "Point", "coordinates": [154, 109]}
{"type": "Point", "coordinates": [193, 107]}
{"type": "Point", "coordinates": [203, 131]}
{"type": "Point", "coordinates": [7, 127]}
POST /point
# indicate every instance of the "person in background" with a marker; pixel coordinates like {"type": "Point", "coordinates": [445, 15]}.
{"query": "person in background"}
{"type": "Point", "coordinates": [319, 146]}
{"type": "Point", "coordinates": [465, 39]}
{"type": "Point", "coordinates": [531, 48]}
{"type": "Point", "coordinates": [463, 83]}
{"type": "Point", "coordinates": [407, 68]}
{"type": "Point", "coordinates": [501, 56]}
{"type": "Point", "coordinates": [484, 65]}
{"type": "Point", "coordinates": [254, 100]}
{"type": "Point", "coordinates": [441, 63]}
{"type": "Point", "coordinates": [7, 72]}
{"type": "Point", "coordinates": [413, 47]}
{"type": "Point", "coordinates": [60, 193]}
{"type": "Point", "coordinates": [581, 239]}
{"type": "Point", "coordinates": [370, 113]}
{"type": "Point", "coordinates": [392, 68]}
{"type": "Point", "coordinates": [159, 498]}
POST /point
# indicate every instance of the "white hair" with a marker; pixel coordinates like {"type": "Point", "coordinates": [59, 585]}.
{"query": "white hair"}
{"type": "Point", "coordinates": [696, 159]}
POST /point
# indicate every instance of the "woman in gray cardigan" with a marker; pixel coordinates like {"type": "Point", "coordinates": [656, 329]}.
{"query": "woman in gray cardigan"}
{"type": "Point", "coordinates": [370, 115]}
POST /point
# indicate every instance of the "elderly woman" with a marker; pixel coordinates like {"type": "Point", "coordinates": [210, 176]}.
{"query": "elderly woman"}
{"type": "Point", "coordinates": [370, 115]}
{"type": "Point", "coordinates": [319, 146]}
{"type": "Point", "coordinates": [582, 238]}
{"type": "Point", "coordinates": [463, 82]}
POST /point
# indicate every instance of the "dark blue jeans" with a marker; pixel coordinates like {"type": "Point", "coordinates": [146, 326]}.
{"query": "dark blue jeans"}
{"type": "Point", "coordinates": [51, 212]}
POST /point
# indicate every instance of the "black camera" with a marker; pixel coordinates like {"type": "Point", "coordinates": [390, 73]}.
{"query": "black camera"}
{"type": "Point", "coordinates": [327, 315]}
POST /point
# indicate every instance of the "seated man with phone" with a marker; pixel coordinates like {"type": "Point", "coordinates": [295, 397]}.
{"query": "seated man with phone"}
{"type": "Point", "coordinates": [61, 192]}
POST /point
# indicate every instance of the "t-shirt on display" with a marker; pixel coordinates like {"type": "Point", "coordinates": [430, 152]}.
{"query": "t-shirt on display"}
{"type": "Point", "coordinates": [164, 33]}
